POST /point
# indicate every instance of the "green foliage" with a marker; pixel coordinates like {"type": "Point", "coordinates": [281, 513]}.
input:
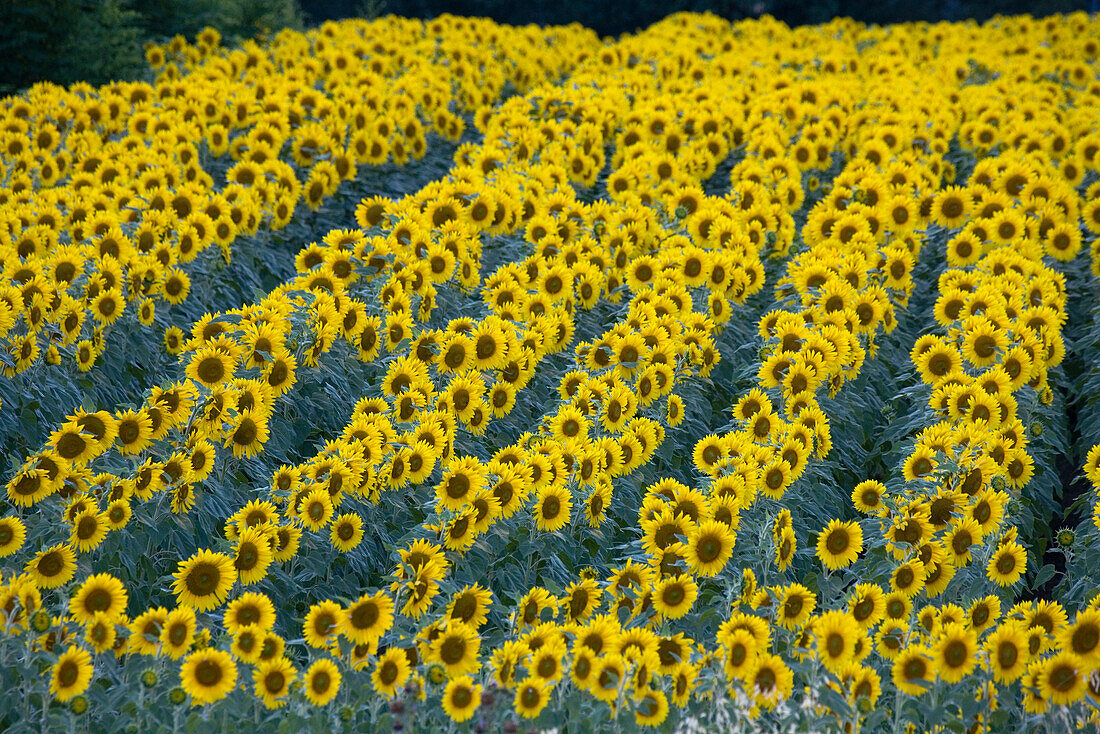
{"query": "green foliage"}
{"type": "Point", "coordinates": [104, 44]}
{"type": "Point", "coordinates": [67, 41]}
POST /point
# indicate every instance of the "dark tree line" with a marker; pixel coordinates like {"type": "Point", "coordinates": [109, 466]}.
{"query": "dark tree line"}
{"type": "Point", "coordinates": [65, 41]}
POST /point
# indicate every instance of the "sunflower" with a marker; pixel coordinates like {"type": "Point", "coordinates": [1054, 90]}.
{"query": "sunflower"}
{"type": "Point", "coordinates": [247, 644]}
{"type": "Point", "coordinates": [365, 620]}
{"type": "Point", "coordinates": [12, 535]}
{"type": "Point", "coordinates": [322, 682]}
{"type": "Point", "coordinates": [53, 566]}
{"type": "Point", "coordinates": [955, 652]}
{"type": "Point", "coordinates": [456, 649]}
{"type": "Point", "coordinates": [210, 367]}
{"type": "Point", "coordinates": [247, 433]}
{"type": "Point", "coordinates": [836, 634]}
{"type": "Point", "coordinates": [101, 594]}
{"type": "Point", "coordinates": [546, 660]}
{"type": "Point", "coordinates": [1063, 678]}
{"type": "Point", "coordinates": [739, 651]}
{"type": "Point", "coordinates": [532, 695]}
{"type": "Point", "coordinates": [607, 677]}
{"type": "Point", "coordinates": [71, 674]}
{"type": "Point", "coordinates": [651, 708]}
{"type": "Point", "coordinates": [470, 605]}
{"type": "Point", "coordinates": [462, 479]}
{"type": "Point", "coordinates": [937, 361]}
{"type": "Point", "coordinates": [89, 528]}
{"type": "Point", "coordinates": [710, 546]}
{"type": "Point", "coordinates": [769, 679]}
{"type": "Point", "coordinates": [203, 581]}
{"type": "Point", "coordinates": [786, 544]}
{"type": "Point", "coordinates": [321, 623]}
{"type": "Point", "coordinates": [72, 443]}
{"type": "Point", "coordinates": [595, 507]}
{"type": "Point", "coordinates": [391, 671]}
{"type": "Point", "coordinates": [250, 609]}
{"type": "Point", "coordinates": [952, 206]}
{"type": "Point", "coordinates": [673, 596]}
{"type": "Point", "coordinates": [1007, 565]}
{"type": "Point", "coordinates": [569, 423]}
{"type": "Point", "coordinates": [252, 556]}
{"type": "Point", "coordinates": [794, 606]}
{"type": "Point", "coordinates": [1007, 650]}
{"type": "Point", "coordinates": [420, 460]}
{"type": "Point", "coordinates": [913, 670]}
{"type": "Point", "coordinates": [982, 340]}
{"type": "Point", "coordinates": [839, 544]}
{"type": "Point", "coordinates": [272, 680]}
{"type": "Point", "coordinates": [208, 675]}
{"type": "Point", "coordinates": [101, 634]}
{"type": "Point", "coordinates": [346, 532]}
{"type": "Point", "coordinates": [868, 605]}
{"type": "Point", "coordinates": [1082, 638]}
{"type": "Point", "coordinates": [178, 632]}
{"type": "Point", "coordinates": [135, 431]}
{"type": "Point", "coordinates": [552, 508]}
{"type": "Point", "coordinates": [316, 509]}
{"type": "Point", "coordinates": [461, 698]}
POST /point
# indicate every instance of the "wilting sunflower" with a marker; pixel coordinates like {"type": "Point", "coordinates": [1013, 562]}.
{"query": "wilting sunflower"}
{"type": "Point", "coordinates": [204, 580]}
{"type": "Point", "coordinates": [71, 674]}
{"type": "Point", "coordinates": [322, 682]}
{"type": "Point", "coordinates": [208, 675]}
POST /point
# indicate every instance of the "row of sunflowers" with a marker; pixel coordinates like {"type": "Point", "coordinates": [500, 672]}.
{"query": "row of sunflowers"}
{"type": "Point", "coordinates": [723, 375]}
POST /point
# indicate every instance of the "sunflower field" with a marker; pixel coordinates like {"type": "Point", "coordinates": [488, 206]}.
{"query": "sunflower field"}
{"type": "Point", "coordinates": [442, 375]}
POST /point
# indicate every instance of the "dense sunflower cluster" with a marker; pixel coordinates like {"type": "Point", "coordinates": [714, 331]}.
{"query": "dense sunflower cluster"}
{"type": "Point", "coordinates": [111, 195]}
{"type": "Point", "coordinates": [594, 450]}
